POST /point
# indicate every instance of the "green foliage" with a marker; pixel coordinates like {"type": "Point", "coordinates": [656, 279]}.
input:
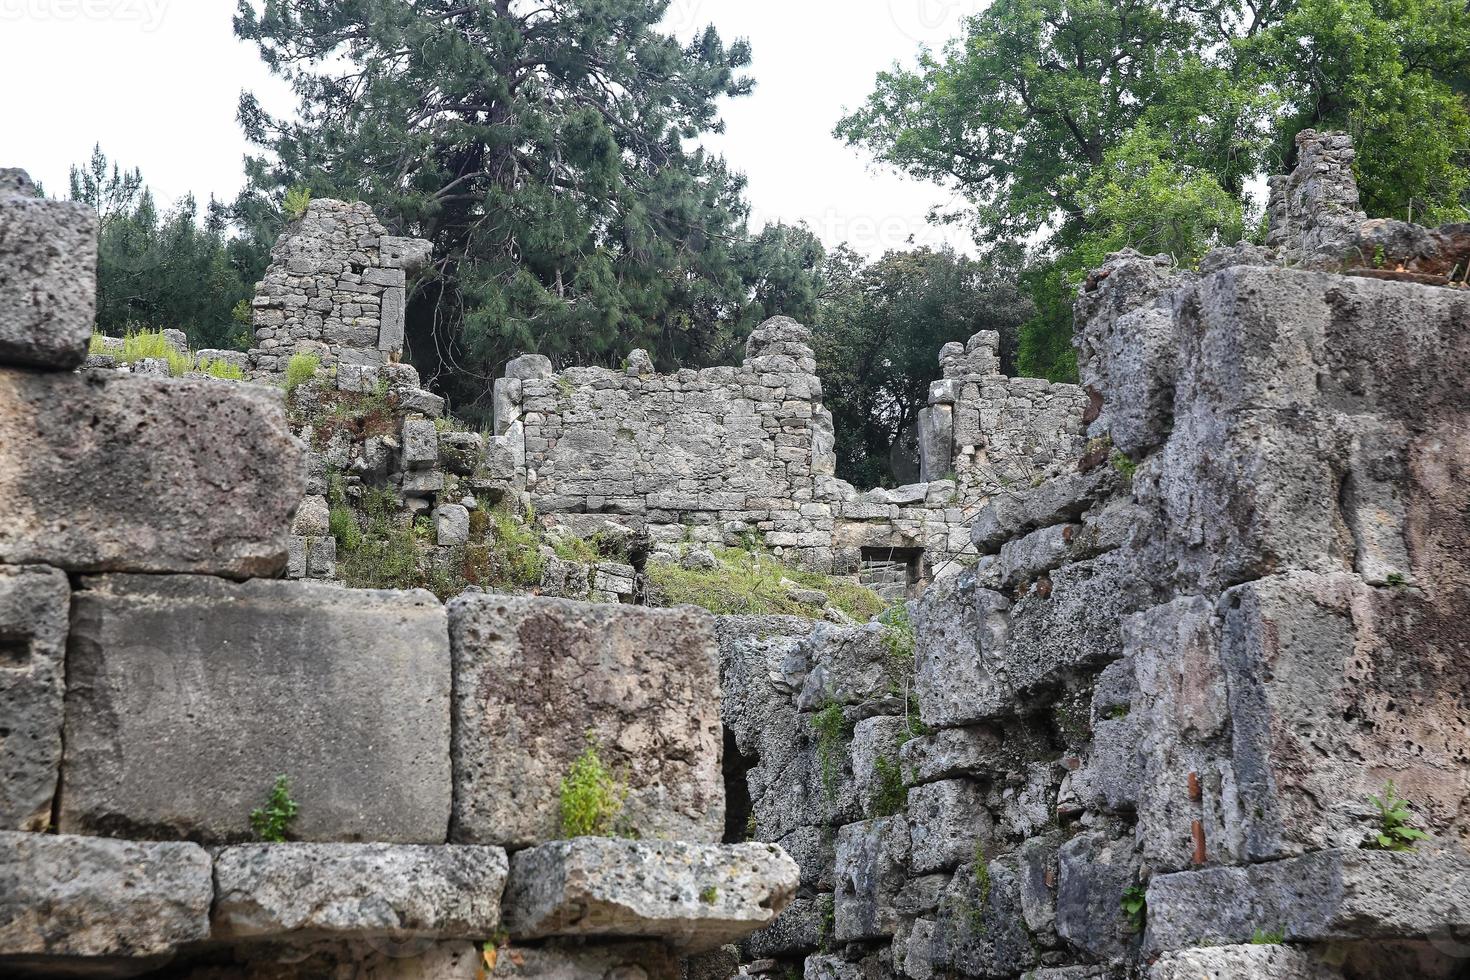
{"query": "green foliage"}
{"type": "Point", "coordinates": [892, 794]}
{"type": "Point", "coordinates": [1135, 907]}
{"type": "Point", "coordinates": [748, 582]}
{"type": "Point", "coordinates": [1396, 580]}
{"type": "Point", "coordinates": [272, 822]}
{"type": "Point", "coordinates": [300, 369]}
{"type": "Point", "coordinates": [833, 731]}
{"type": "Point", "coordinates": [827, 919]}
{"type": "Point", "coordinates": [591, 800]}
{"type": "Point", "coordinates": [899, 638]}
{"type": "Point", "coordinates": [1274, 937]}
{"type": "Point", "coordinates": [1394, 833]}
{"type": "Point", "coordinates": [297, 200]}
{"type": "Point", "coordinates": [344, 528]}
{"type": "Point", "coordinates": [223, 370]}
{"type": "Point", "coordinates": [517, 548]}
{"type": "Point", "coordinates": [709, 895]}
{"type": "Point", "coordinates": [1123, 464]}
{"type": "Point", "coordinates": [877, 331]}
{"type": "Point", "coordinates": [159, 267]}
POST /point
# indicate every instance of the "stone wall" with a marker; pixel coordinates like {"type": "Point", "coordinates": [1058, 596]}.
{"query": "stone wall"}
{"type": "Point", "coordinates": [1143, 735]}
{"type": "Point", "coordinates": [158, 681]}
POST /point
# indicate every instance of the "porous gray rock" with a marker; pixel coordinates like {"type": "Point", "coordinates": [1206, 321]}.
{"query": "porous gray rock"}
{"type": "Point", "coordinates": [573, 960]}
{"type": "Point", "coordinates": [796, 931]}
{"type": "Point", "coordinates": [1095, 871]}
{"type": "Point", "coordinates": [1249, 962]}
{"type": "Point", "coordinates": [538, 680]}
{"type": "Point", "coordinates": [188, 696]}
{"type": "Point", "coordinates": [88, 457]}
{"type": "Point", "coordinates": [871, 870]}
{"type": "Point", "coordinates": [948, 825]}
{"type": "Point", "coordinates": [48, 277]}
{"type": "Point", "coordinates": [980, 930]}
{"type": "Point", "coordinates": [693, 896]}
{"type": "Point", "coordinates": [69, 903]}
{"type": "Point", "coordinates": [301, 892]}
{"type": "Point", "coordinates": [34, 611]}
{"type": "Point", "coordinates": [451, 525]}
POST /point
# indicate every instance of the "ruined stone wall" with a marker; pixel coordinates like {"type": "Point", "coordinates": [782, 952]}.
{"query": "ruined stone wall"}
{"type": "Point", "coordinates": [158, 679]}
{"type": "Point", "coordinates": [1143, 736]}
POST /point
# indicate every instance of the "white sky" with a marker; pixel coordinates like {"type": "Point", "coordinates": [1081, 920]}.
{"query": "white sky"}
{"type": "Point", "coordinates": [157, 83]}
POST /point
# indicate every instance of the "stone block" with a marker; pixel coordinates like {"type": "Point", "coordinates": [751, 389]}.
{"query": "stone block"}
{"type": "Point", "coordinates": [980, 750]}
{"type": "Point", "coordinates": [313, 517]}
{"type": "Point", "coordinates": [573, 960]}
{"type": "Point", "coordinates": [694, 896]}
{"type": "Point", "coordinates": [390, 329]}
{"type": "Point", "coordinates": [848, 665]}
{"type": "Point", "coordinates": [536, 680]}
{"type": "Point", "coordinates": [113, 472]}
{"type": "Point", "coordinates": [936, 442]}
{"type": "Point", "coordinates": [300, 892]}
{"type": "Point", "coordinates": [417, 400]}
{"type": "Point", "coordinates": [451, 525]}
{"type": "Point", "coordinates": [321, 557]}
{"type": "Point", "coordinates": [408, 254]}
{"type": "Point", "coordinates": [34, 611]}
{"type": "Point", "coordinates": [48, 278]}
{"type": "Point", "coordinates": [1340, 895]}
{"type": "Point", "coordinates": [953, 683]}
{"type": "Point", "coordinates": [871, 871]}
{"type": "Point", "coordinates": [948, 825]}
{"type": "Point", "coordinates": [529, 367]}
{"type": "Point", "coordinates": [1249, 962]}
{"type": "Point", "coordinates": [188, 696]}
{"type": "Point", "coordinates": [980, 930]}
{"type": "Point", "coordinates": [1094, 872]}
{"type": "Point", "coordinates": [73, 903]}
{"type": "Point", "coordinates": [420, 444]}
{"type": "Point", "coordinates": [875, 766]}
{"type": "Point", "coordinates": [461, 452]}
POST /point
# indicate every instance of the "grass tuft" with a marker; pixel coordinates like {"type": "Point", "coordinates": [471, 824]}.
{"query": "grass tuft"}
{"type": "Point", "coordinates": [748, 582]}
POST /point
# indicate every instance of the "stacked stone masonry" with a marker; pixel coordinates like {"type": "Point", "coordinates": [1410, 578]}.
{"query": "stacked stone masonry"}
{"type": "Point", "coordinates": [157, 678]}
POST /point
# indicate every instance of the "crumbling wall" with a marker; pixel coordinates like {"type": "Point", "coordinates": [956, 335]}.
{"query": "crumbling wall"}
{"type": "Point", "coordinates": [1144, 734]}
{"type": "Point", "coordinates": [158, 680]}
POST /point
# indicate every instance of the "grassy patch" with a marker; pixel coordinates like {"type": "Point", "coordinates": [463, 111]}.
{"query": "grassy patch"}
{"type": "Point", "coordinates": [223, 370]}
{"type": "Point", "coordinates": [748, 582]}
{"type": "Point", "coordinates": [591, 799]}
{"type": "Point", "coordinates": [833, 731]}
{"type": "Point", "coordinates": [300, 369]}
{"type": "Point", "coordinates": [893, 793]}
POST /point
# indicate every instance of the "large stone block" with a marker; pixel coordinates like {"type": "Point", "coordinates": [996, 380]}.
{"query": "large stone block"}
{"type": "Point", "coordinates": [948, 825]}
{"type": "Point", "coordinates": [1327, 896]}
{"type": "Point", "coordinates": [107, 472]}
{"type": "Point", "coordinates": [80, 902]}
{"type": "Point", "coordinates": [48, 277]}
{"type": "Point", "coordinates": [188, 696]}
{"type": "Point", "coordinates": [980, 930]}
{"type": "Point", "coordinates": [34, 604]}
{"type": "Point", "coordinates": [536, 679]}
{"type": "Point", "coordinates": [1094, 872]}
{"type": "Point", "coordinates": [953, 685]}
{"type": "Point", "coordinates": [1241, 963]}
{"type": "Point", "coordinates": [572, 960]}
{"type": "Point", "coordinates": [300, 892]}
{"type": "Point", "coordinates": [694, 896]}
{"type": "Point", "coordinates": [872, 868]}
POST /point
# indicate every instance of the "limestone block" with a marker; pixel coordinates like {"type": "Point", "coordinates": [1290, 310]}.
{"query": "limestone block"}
{"type": "Point", "coordinates": [507, 403]}
{"type": "Point", "coordinates": [461, 452]}
{"type": "Point", "coordinates": [84, 901]}
{"type": "Point", "coordinates": [980, 750]}
{"type": "Point", "coordinates": [936, 442]}
{"type": "Point", "coordinates": [875, 765]}
{"type": "Point", "coordinates": [420, 401]}
{"type": "Point", "coordinates": [451, 525]}
{"type": "Point", "coordinates": [1249, 962]}
{"type": "Point", "coordinates": [528, 367]}
{"type": "Point", "coordinates": [48, 277]}
{"type": "Point", "coordinates": [1056, 501]}
{"type": "Point", "coordinates": [953, 683]}
{"type": "Point", "coordinates": [88, 459]}
{"type": "Point", "coordinates": [293, 892]}
{"type": "Point", "coordinates": [980, 930]}
{"type": "Point", "coordinates": [390, 329]}
{"type": "Point", "coordinates": [186, 702]}
{"type": "Point", "coordinates": [384, 277]}
{"type": "Point", "coordinates": [571, 959]}
{"type": "Point", "coordinates": [420, 444]}
{"type": "Point", "coordinates": [321, 557]}
{"type": "Point", "coordinates": [693, 896]}
{"type": "Point", "coordinates": [948, 825]}
{"type": "Point", "coordinates": [1327, 896]}
{"type": "Point", "coordinates": [1095, 871]}
{"type": "Point", "coordinates": [871, 870]}
{"type": "Point", "coordinates": [847, 665]}
{"type": "Point", "coordinates": [536, 679]}
{"type": "Point", "coordinates": [34, 609]}
{"type": "Point", "coordinates": [313, 517]}
{"type": "Point", "coordinates": [408, 254]}
{"type": "Point", "coordinates": [795, 932]}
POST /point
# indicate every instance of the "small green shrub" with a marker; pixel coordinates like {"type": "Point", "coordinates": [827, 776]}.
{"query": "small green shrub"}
{"type": "Point", "coordinates": [833, 730]}
{"type": "Point", "coordinates": [710, 895]}
{"type": "Point", "coordinates": [1135, 907]}
{"type": "Point", "coordinates": [591, 799]}
{"type": "Point", "coordinates": [223, 370]}
{"type": "Point", "coordinates": [1394, 831]}
{"type": "Point", "coordinates": [272, 822]}
{"type": "Point", "coordinates": [344, 528]}
{"type": "Point", "coordinates": [300, 369]}
{"type": "Point", "coordinates": [1123, 464]}
{"type": "Point", "coordinates": [297, 200]}
{"type": "Point", "coordinates": [1396, 580]}
{"type": "Point", "coordinates": [892, 794]}
{"type": "Point", "coordinates": [1273, 938]}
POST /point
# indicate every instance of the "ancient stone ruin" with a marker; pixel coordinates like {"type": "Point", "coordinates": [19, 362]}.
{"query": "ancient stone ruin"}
{"type": "Point", "coordinates": [1195, 707]}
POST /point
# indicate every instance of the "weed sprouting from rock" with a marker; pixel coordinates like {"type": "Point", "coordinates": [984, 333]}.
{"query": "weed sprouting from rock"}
{"type": "Point", "coordinates": [591, 799]}
{"type": "Point", "coordinates": [272, 822]}
{"type": "Point", "coordinates": [1394, 832]}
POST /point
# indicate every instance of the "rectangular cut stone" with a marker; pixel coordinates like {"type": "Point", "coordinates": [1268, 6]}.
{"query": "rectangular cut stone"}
{"type": "Point", "coordinates": [693, 896]}
{"type": "Point", "coordinates": [1328, 896]}
{"type": "Point", "coordinates": [108, 472]}
{"type": "Point", "coordinates": [48, 278]}
{"type": "Point", "coordinates": [292, 892]}
{"type": "Point", "coordinates": [1259, 962]}
{"type": "Point", "coordinates": [572, 960]}
{"type": "Point", "coordinates": [536, 680]}
{"type": "Point", "coordinates": [80, 902]}
{"type": "Point", "coordinates": [188, 696]}
{"type": "Point", "coordinates": [871, 869]}
{"type": "Point", "coordinates": [34, 604]}
{"type": "Point", "coordinates": [390, 330]}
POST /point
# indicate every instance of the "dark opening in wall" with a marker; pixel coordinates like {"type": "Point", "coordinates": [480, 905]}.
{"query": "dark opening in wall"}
{"type": "Point", "coordinates": [15, 648]}
{"type": "Point", "coordinates": [894, 573]}
{"type": "Point", "coordinates": [737, 791]}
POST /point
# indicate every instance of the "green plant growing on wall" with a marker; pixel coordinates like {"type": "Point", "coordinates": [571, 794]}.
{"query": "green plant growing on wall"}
{"type": "Point", "coordinates": [296, 202]}
{"type": "Point", "coordinates": [1135, 907]}
{"type": "Point", "coordinates": [300, 369]}
{"type": "Point", "coordinates": [899, 638]}
{"type": "Point", "coordinates": [892, 794]}
{"type": "Point", "coordinates": [833, 730]}
{"type": "Point", "coordinates": [1262, 937]}
{"type": "Point", "coordinates": [826, 919]}
{"type": "Point", "coordinates": [1123, 464]}
{"type": "Point", "coordinates": [591, 799]}
{"type": "Point", "coordinates": [710, 895]}
{"type": "Point", "coordinates": [272, 822]}
{"type": "Point", "coordinates": [1394, 830]}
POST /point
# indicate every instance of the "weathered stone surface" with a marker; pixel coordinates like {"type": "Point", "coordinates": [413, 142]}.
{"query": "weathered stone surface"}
{"type": "Point", "coordinates": [82, 901]}
{"type": "Point", "coordinates": [88, 455]}
{"type": "Point", "coordinates": [297, 892]}
{"type": "Point", "coordinates": [188, 696]}
{"type": "Point", "coordinates": [535, 679]}
{"type": "Point", "coordinates": [796, 931]}
{"type": "Point", "coordinates": [694, 896]}
{"type": "Point", "coordinates": [952, 682]}
{"type": "Point", "coordinates": [875, 767]}
{"type": "Point", "coordinates": [1241, 963]}
{"type": "Point", "coordinates": [980, 930]}
{"type": "Point", "coordinates": [948, 825]}
{"type": "Point", "coordinates": [570, 960]}
{"type": "Point", "coordinates": [872, 864]}
{"type": "Point", "coordinates": [451, 525]}
{"type": "Point", "coordinates": [48, 277]}
{"type": "Point", "coordinates": [420, 444]}
{"type": "Point", "coordinates": [1327, 896]}
{"type": "Point", "coordinates": [1094, 873]}
{"type": "Point", "coordinates": [977, 751]}
{"type": "Point", "coordinates": [34, 610]}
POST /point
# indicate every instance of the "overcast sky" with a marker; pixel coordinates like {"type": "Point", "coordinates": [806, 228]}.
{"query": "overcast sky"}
{"type": "Point", "coordinates": [157, 83]}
